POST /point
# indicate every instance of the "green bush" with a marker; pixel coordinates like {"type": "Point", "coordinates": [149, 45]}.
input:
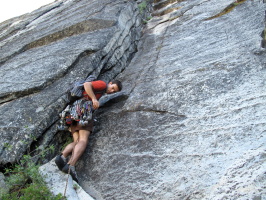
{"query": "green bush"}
{"type": "Point", "coordinates": [142, 6]}
{"type": "Point", "coordinates": [24, 182]}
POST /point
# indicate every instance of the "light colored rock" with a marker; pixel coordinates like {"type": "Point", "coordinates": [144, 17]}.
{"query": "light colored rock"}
{"type": "Point", "coordinates": [240, 183]}
{"type": "Point", "coordinates": [191, 123]}
{"type": "Point", "coordinates": [194, 124]}
{"type": "Point", "coordinates": [61, 183]}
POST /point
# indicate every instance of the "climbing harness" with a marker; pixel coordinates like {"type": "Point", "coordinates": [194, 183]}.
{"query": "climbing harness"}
{"type": "Point", "coordinates": [80, 107]}
{"type": "Point", "coordinates": [80, 111]}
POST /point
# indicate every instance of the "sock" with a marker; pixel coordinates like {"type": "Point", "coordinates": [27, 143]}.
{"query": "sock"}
{"type": "Point", "coordinates": [72, 168]}
{"type": "Point", "coordinates": [63, 158]}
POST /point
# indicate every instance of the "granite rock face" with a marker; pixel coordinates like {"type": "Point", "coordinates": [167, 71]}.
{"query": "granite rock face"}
{"type": "Point", "coordinates": [44, 52]}
{"type": "Point", "coordinates": [192, 122]}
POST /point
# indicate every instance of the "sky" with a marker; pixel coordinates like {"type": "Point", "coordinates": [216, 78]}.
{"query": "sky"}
{"type": "Point", "coordinates": [13, 8]}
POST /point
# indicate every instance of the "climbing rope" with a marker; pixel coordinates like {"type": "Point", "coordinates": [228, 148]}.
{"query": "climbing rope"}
{"type": "Point", "coordinates": [68, 173]}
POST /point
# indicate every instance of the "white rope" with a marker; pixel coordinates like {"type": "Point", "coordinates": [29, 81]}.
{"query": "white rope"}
{"type": "Point", "coordinates": [69, 170]}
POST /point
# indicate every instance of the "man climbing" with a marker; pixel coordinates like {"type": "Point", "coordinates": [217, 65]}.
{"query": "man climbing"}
{"type": "Point", "coordinates": [92, 92]}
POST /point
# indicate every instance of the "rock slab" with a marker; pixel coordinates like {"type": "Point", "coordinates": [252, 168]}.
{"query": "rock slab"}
{"type": "Point", "coordinates": [194, 124]}
{"type": "Point", "coordinates": [61, 183]}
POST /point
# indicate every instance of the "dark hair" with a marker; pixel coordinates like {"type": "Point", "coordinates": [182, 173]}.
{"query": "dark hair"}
{"type": "Point", "coordinates": [118, 83]}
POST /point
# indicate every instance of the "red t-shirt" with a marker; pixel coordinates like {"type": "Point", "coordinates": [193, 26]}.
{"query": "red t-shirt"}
{"type": "Point", "coordinates": [99, 87]}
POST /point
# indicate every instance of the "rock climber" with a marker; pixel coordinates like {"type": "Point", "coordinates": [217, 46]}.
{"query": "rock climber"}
{"type": "Point", "coordinates": [81, 133]}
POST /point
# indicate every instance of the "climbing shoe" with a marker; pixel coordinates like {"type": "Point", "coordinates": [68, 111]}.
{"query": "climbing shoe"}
{"type": "Point", "coordinates": [60, 162]}
{"type": "Point", "coordinates": [71, 169]}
